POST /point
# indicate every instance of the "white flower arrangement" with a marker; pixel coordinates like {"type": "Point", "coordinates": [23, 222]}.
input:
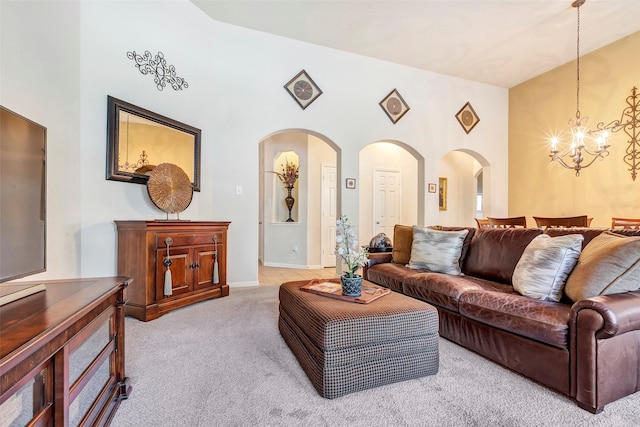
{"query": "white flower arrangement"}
{"type": "Point", "coordinates": [347, 248]}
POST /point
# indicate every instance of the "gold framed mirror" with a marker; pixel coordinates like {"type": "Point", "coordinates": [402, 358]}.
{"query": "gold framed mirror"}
{"type": "Point", "coordinates": [139, 139]}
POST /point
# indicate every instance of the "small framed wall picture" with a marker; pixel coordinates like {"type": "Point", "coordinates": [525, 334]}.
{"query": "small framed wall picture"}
{"type": "Point", "coordinates": [394, 106]}
{"type": "Point", "coordinates": [303, 89]}
{"type": "Point", "coordinates": [351, 183]}
{"type": "Point", "coordinates": [442, 193]}
{"type": "Point", "coordinates": [432, 187]}
{"type": "Point", "coordinates": [467, 117]}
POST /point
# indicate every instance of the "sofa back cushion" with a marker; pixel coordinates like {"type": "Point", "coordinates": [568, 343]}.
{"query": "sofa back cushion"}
{"type": "Point", "coordinates": [494, 252]}
{"type": "Point", "coordinates": [587, 233]}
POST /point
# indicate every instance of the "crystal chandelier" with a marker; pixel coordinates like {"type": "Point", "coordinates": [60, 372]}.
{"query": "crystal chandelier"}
{"type": "Point", "coordinates": [591, 144]}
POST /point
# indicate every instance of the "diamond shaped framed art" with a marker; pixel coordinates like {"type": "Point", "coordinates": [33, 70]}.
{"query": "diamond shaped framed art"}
{"type": "Point", "coordinates": [303, 89]}
{"type": "Point", "coordinates": [467, 118]}
{"type": "Point", "coordinates": [394, 106]}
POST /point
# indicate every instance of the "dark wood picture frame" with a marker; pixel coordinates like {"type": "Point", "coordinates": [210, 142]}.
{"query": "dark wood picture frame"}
{"type": "Point", "coordinates": [432, 187]}
{"type": "Point", "coordinates": [114, 172]}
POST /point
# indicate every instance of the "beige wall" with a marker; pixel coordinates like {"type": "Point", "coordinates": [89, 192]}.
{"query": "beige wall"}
{"type": "Point", "coordinates": [542, 106]}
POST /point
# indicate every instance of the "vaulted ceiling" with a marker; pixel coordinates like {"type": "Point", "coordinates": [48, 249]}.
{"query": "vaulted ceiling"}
{"type": "Point", "coordinates": [498, 42]}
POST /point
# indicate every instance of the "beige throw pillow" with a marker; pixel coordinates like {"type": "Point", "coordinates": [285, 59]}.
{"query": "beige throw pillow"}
{"type": "Point", "coordinates": [609, 264]}
{"type": "Point", "coordinates": [436, 250]}
{"type": "Point", "coordinates": [545, 264]}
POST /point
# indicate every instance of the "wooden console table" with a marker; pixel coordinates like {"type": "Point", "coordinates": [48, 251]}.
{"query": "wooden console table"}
{"type": "Point", "coordinates": [62, 354]}
{"type": "Point", "coordinates": [195, 250]}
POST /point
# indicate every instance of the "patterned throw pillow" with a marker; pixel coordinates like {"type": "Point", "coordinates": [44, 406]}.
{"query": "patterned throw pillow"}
{"type": "Point", "coordinates": [609, 264]}
{"type": "Point", "coordinates": [436, 250]}
{"type": "Point", "coordinates": [545, 264]}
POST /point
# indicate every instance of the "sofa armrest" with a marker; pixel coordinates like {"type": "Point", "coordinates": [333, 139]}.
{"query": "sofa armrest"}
{"type": "Point", "coordinates": [619, 313]}
{"type": "Point", "coordinates": [376, 258]}
{"type": "Point", "coordinates": [604, 336]}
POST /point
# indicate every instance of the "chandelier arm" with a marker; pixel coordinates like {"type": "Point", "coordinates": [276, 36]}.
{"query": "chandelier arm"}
{"type": "Point", "coordinates": [556, 158]}
{"type": "Point", "coordinates": [602, 153]}
{"type": "Point", "coordinates": [596, 157]}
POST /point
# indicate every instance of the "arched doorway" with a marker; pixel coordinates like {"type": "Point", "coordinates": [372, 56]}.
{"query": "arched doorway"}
{"type": "Point", "coordinates": [307, 240]}
{"type": "Point", "coordinates": [391, 178]}
{"type": "Point", "coordinates": [462, 170]}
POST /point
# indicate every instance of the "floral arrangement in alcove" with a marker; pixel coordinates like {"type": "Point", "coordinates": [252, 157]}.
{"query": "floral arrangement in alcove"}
{"type": "Point", "coordinates": [289, 176]}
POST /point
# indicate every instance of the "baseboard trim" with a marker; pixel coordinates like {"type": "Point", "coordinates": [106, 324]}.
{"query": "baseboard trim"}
{"type": "Point", "coordinates": [243, 284]}
{"type": "Point", "coordinates": [293, 266]}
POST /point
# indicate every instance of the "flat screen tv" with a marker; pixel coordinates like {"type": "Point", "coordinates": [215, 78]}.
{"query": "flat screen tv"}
{"type": "Point", "coordinates": [22, 196]}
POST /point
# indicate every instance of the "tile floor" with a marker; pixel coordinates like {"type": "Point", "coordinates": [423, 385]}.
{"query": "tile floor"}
{"type": "Point", "coordinates": [277, 275]}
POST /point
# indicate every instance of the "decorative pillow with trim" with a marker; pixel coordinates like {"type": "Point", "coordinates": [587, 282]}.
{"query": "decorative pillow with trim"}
{"type": "Point", "coordinates": [545, 265]}
{"type": "Point", "coordinates": [609, 264]}
{"type": "Point", "coordinates": [437, 250]}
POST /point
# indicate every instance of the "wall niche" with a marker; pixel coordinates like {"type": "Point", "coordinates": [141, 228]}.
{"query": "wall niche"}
{"type": "Point", "coordinates": [286, 166]}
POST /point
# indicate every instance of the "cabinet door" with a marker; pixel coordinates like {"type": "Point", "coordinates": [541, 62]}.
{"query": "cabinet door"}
{"type": "Point", "coordinates": [205, 258]}
{"type": "Point", "coordinates": [181, 271]}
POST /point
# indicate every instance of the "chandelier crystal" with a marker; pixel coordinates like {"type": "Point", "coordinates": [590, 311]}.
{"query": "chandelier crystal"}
{"type": "Point", "coordinates": [586, 145]}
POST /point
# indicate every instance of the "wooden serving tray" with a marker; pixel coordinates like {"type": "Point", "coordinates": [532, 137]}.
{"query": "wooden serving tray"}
{"type": "Point", "coordinates": [332, 288]}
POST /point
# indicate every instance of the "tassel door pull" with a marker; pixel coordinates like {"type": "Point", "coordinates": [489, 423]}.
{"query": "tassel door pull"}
{"type": "Point", "coordinates": [216, 277]}
{"type": "Point", "coordinates": [168, 285]}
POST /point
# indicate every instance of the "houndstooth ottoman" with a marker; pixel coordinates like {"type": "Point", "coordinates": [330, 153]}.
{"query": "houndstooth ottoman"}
{"type": "Point", "coordinates": [345, 347]}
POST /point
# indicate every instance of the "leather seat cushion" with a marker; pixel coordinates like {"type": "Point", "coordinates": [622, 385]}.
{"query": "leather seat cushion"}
{"type": "Point", "coordinates": [543, 321]}
{"type": "Point", "coordinates": [390, 275]}
{"type": "Point", "coordinates": [445, 290]}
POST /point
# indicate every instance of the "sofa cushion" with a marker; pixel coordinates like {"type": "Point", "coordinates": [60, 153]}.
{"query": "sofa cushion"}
{"type": "Point", "coordinates": [436, 250]}
{"type": "Point", "coordinates": [545, 265]}
{"type": "Point", "coordinates": [609, 264]}
{"type": "Point", "coordinates": [587, 233]}
{"type": "Point", "coordinates": [444, 290]}
{"type": "Point", "coordinates": [494, 252]}
{"type": "Point", "coordinates": [402, 240]}
{"type": "Point", "coordinates": [543, 321]}
{"type": "Point", "coordinates": [390, 275]}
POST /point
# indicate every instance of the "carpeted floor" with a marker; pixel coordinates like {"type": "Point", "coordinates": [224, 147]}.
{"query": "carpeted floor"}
{"type": "Point", "coordinates": [223, 363]}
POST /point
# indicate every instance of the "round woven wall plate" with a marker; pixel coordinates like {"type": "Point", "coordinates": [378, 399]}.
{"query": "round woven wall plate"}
{"type": "Point", "coordinates": [169, 188]}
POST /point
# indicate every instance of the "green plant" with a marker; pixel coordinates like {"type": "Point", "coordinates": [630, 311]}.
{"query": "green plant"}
{"type": "Point", "coordinates": [347, 248]}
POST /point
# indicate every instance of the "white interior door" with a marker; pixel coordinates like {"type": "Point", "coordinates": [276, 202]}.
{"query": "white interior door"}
{"type": "Point", "coordinates": [328, 218]}
{"type": "Point", "coordinates": [386, 201]}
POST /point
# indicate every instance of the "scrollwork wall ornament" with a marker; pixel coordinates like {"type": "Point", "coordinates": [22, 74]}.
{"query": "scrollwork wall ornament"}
{"type": "Point", "coordinates": [162, 73]}
{"type": "Point", "coordinates": [630, 124]}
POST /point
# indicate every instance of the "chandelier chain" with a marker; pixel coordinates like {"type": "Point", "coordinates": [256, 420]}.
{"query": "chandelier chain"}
{"type": "Point", "coordinates": [578, 65]}
{"type": "Point", "coordinates": [586, 145]}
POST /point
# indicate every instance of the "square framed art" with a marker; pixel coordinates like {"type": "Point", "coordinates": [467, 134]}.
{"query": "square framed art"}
{"type": "Point", "coordinates": [432, 187]}
{"type": "Point", "coordinates": [303, 89]}
{"type": "Point", "coordinates": [467, 117]}
{"type": "Point", "coordinates": [394, 106]}
{"type": "Point", "coordinates": [350, 183]}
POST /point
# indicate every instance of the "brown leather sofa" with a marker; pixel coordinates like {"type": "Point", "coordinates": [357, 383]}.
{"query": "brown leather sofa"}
{"type": "Point", "coordinates": [588, 350]}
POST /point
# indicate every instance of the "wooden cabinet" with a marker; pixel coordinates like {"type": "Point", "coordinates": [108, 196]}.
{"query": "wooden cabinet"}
{"type": "Point", "coordinates": [191, 250]}
{"type": "Point", "coordinates": [62, 354]}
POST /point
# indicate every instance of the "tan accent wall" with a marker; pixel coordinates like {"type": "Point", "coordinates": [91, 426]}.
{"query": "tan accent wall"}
{"type": "Point", "coordinates": [543, 106]}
